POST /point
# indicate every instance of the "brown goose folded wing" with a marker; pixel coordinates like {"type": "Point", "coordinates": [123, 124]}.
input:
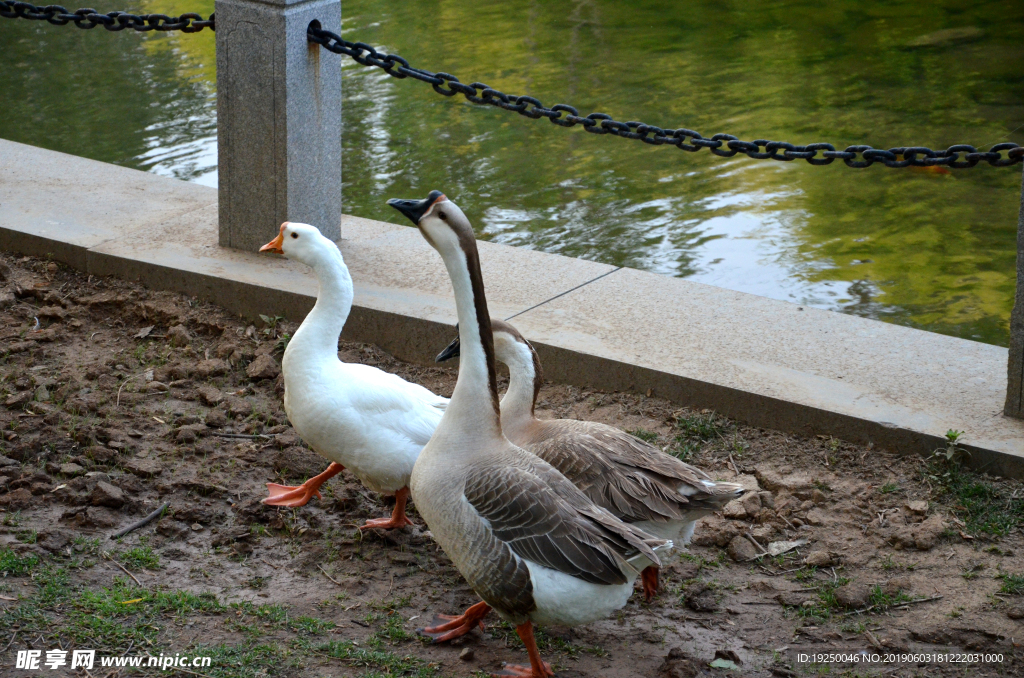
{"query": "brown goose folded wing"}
{"type": "Point", "coordinates": [634, 480]}
{"type": "Point", "coordinates": [544, 518]}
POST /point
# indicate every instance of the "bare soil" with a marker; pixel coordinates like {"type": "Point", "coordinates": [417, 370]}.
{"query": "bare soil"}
{"type": "Point", "coordinates": [118, 399]}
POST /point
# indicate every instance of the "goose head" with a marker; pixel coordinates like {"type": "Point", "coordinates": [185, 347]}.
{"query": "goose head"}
{"type": "Point", "coordinates": [441, 222]}
{"type": "Point", "coordinates": [443, 225]}
{"type": "Point", "coordinates": [302, 242]}
{"type": "Point", "coordinates": [525, 374]}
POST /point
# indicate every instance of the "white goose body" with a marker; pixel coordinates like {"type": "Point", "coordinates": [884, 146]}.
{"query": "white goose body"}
{"type": "Point", "coordinates": [369, 421]}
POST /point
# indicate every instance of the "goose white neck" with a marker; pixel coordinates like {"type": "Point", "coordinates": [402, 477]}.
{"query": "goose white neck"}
{"type": "Point", "coordinates": [474, 400]}
{"type": "Point", "coordinates": [320, 330]}
{"type": "Point", "coordinates": [518, 402]}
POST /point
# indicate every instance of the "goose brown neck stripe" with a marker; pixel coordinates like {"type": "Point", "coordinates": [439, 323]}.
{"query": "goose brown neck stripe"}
{"type": "Point", "coordinates": [467, 241]}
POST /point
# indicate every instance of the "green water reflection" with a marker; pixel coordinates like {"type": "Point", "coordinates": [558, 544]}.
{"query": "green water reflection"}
{"type": "Point", "coordinates": [928, 250]}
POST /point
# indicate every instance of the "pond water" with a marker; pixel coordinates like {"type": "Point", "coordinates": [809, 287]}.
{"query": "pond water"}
{"type": "Point", "coordinates": [934, 251]}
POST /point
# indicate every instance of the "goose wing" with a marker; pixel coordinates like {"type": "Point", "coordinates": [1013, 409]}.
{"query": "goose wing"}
{"type": "Point", "coordinates": [544, 518]}
{"type": "Point", "coordinates": [633, 479]}
{"type": "Point", "coordinates": [387, 400]}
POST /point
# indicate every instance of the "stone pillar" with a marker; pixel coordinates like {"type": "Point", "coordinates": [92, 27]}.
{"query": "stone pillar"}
{"type": "Point", "coordinates": [1015, 381]}
{"type": "Point", "coordinates": [278, 120]}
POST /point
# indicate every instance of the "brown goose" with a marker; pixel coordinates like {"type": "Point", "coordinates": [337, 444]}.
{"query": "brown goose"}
{"type": "Point", "coordinates": [530, 543]}
{"type": "Point", "coordinates": [633, 479]}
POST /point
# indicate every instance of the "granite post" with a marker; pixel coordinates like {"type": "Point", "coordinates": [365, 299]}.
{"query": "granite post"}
{"type": "Point", "coordinates": [1015, 373]}
{"type": "Point", "coordinates": [278, 120]}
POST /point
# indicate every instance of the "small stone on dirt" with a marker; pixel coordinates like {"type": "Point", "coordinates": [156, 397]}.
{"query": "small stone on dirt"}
{"type": "Point", "coordinates": [263, 367]}
{"type": "Point", "coordinates": [853, 596]}
{"type": "Point", "coordinates": [918, 507]}
{"type": "Point", "coordinates": [179, 336]}
{"type": "Point", "coordinates": [16, 499]}
{"type": "Point", "coordinates": [819, 559]}
{"type": "Point", "coordinates": [816, 517]}
{"type": "Point", "coordinates": [1016, 612]}
{"type": "Point", "coordinates": [105, 494]}
{"type": "Point", "coordinates": [751, 503]}
{"type": "Point", "coordinates": [144, 468]}
{"type": "Point", "coordinates": [52, 312]}
{"type": "Point", "coordinates": [18, 399]}
{"type": "Point", "coordinates": [214, 367]}
{"type": "Point", "coordinates": [678, 664]}
{"type": "Point", "coordinates": [740, 549]}
{"type": "Point", "coordinates": [734, 510]}
{"type": "Point", "coordinates": [216, 418]}
{"type": "Point", "coordinates": [923, 536]}
{"type": "Point", "coordinates": [71, 469]}
{"type": "Point", "coordinates": [210, 395]}
{"type": "Point", "coordinates": [467, 654]}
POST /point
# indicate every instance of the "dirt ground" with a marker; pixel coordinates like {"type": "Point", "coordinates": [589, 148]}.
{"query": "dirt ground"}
{"type": "Point", "coordinates": [118, 399]}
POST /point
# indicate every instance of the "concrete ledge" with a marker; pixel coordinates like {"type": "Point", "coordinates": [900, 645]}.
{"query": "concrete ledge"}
{"type": "Point", "coordinates": [769, 363]}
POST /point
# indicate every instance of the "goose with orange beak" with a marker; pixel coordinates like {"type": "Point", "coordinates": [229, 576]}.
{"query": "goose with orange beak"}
{"type": "Point", "coordinates": [361, 418]}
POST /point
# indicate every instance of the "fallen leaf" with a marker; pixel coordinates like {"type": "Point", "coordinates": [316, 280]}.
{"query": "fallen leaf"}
{"type": "Point", "coordinates": [777, 548]}
{"type": "Point", "coordinates": [144, 332]}
{"type": "Point", "coordinates": [965, 535]}
{"type": "Point", "coordinates": [7, 598]}
{"type": "Point", "coordinates": [132, 601]}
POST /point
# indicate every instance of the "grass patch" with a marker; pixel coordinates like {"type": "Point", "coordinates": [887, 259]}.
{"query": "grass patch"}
{"type": "Point", "coordinates": [13, 565]}
{"type": "Point", "coordinates": [882, 601]}
{"type": "Point", "coordinates": [106, 618]}
{"type": "Point", "coordinates": [373, 657]}
{"type": "Point", "coordinates": [704, 426]}
{"type": "Point", "coordinates": [981, 505]}
{"type": "Point", "coordinates": [140, 557]}
{"type": "Point", "coordinates": [311, 625]}
{"type": "Point", "coordinates": [1012, 584]}
{"type": "Point", "coordinates": [827, 603]}
{"type": "Point", "coordinates": [889, 488]}
{"type": "Point", "coordinates": [245, 660]}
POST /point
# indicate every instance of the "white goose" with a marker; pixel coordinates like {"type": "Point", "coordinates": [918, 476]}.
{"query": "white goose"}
{"type": "Point", "coordinates": [361, 418]}
{"type": "Point", "coordinates": [530, 543]}
{"type": "Point", "coordinates": [636, 481]}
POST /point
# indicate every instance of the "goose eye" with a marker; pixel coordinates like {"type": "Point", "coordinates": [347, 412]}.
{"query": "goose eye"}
{"type": "Point", "coordinates": [295, 235]}
{"type": "Point", "coordinates": [444, 217]}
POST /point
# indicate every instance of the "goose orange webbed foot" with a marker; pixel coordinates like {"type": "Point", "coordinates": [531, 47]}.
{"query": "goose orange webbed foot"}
{"type": "Point", "coordinates": [538, 668]}
{"type": "Point", "coordinates": [299, 495]}
{"type": "Point", "coordinates": [649, 580]}
{"type": "Point", "coordinates": [449, 626]}
{"type": "Point", "coordinates": [522, 671]}
{"type": "Point", "coordinates": [398, 517]}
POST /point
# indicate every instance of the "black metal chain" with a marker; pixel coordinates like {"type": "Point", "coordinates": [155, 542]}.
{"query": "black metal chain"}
{"type": "Point", "coordinates": [112, 21]}
{"type": "Point", "coordinates": [725, 145]}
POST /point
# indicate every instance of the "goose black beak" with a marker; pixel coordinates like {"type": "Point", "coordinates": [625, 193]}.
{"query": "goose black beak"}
{"type": "Point", "coordinates": [415, 209]}
{"type": "Point", "coordinates": [450, 351]}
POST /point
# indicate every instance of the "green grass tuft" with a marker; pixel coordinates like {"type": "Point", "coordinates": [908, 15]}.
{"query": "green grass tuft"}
{"type": "Point", "coordinates": [982, 506]}
{"type": "Point", "coordinates": [13, 565]}
{"type": "Point", "coordinates": [140, 557]}
{"type": "Point", "coordinates": [1012, 584]}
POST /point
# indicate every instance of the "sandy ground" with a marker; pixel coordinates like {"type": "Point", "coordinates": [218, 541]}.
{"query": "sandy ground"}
{"type": "Point", "coordinates": [118, 399]}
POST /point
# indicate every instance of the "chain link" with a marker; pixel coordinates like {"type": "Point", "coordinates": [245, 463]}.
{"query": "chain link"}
{"type": "Point", "coordinates": [725, 145]}
{"type": "Point", "coordinates": [113, 21]}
